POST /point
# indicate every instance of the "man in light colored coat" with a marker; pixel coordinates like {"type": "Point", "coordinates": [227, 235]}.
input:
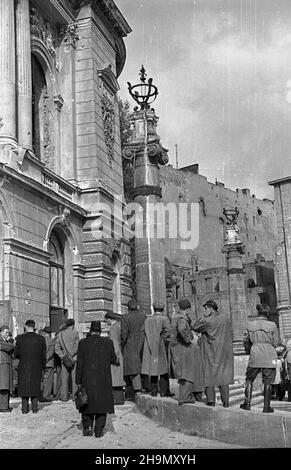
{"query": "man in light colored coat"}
{"type": "Point", "coordinates": [114, 320]}
{"type": "Point", "coordinates": [261, 338]}
{"type": "Point", "coordinates": [48, 374]}
{"type": "Point", "coordinates": [67, 343]}
{"type": "Point", "coordinates": [6, 350]}
{"type": "Point", "coordinates": [154, 358]}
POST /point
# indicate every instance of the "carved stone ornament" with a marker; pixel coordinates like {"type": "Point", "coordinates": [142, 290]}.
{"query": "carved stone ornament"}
{"type": "Point", "coordinates": [108, 117]}
{"type": "Point", "coordinates": [42, 30]}
{"type": "Point", "coordinates": [71, 35]}
{"type": "Point", "coordinates": [65, 216]}
{"type": "Point", "coordinates": [114, 246]}
{"type": "Point", "coordinates": [1, 122]}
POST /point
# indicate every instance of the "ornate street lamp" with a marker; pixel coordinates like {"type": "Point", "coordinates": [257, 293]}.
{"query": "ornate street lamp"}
{"type": "Point", "coordinates": [143, 93]}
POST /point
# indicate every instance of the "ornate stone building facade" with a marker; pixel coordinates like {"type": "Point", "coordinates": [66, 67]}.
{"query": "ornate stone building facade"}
{"type": "Point", "coordinates": [60, 161]}
{"type": "Point", "coordinates": [235, 280]}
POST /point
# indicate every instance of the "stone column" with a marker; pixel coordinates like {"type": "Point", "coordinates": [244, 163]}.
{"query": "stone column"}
{"type": "Point", "coordinates": [24, 79]}
{"type": "Point", "coordinates": [7, 72]}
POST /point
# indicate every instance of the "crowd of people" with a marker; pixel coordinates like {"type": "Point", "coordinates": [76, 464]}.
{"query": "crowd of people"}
{"type": "Point", "coordinates": [140, 354]}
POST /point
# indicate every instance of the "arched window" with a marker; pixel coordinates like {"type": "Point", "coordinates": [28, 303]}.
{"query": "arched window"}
{"type": "Point", "coordinates": [43, 119]}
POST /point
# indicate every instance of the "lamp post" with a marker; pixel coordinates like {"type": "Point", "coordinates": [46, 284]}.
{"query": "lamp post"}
{"type": "Point", "coordinates": [147, 153]}
{"type": "Point", "coordinates": [234, 249]}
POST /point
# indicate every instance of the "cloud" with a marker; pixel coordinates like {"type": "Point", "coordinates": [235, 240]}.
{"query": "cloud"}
{"type": "Point", "coordinates": [223, 69]}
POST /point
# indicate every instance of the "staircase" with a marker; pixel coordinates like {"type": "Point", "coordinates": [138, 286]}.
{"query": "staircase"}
{"type": "Point", "coordinates": [237, 395]}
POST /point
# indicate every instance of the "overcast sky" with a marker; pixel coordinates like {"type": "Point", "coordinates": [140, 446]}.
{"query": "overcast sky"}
{"type": "Point", "coordinates": [223, 69]}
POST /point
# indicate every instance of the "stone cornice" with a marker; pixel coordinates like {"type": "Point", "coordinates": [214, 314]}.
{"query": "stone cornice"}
{"type": "Point", "coordinates": [19, 248]}
{"type": "Point", "coordinates": [111, 13]}
{"type": "Point", "coordinates": [32, 184]}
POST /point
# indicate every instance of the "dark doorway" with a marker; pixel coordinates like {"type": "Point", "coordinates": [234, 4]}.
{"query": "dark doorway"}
{"type": "Point", "coordinates": [58, 316]}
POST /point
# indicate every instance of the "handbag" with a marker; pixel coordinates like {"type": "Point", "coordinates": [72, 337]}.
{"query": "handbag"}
{"type": "Point", "coordinates": [67, 359]}
{"type": "Point", "coordinates": [81, 397]}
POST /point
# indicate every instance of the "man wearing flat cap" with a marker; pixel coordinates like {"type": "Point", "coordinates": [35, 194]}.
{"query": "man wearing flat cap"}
{"type": "Point", "coordinates": [95, 356]}
{"type": "Point", "coordinates": [67, 344]}
{"type": "Point", "coordinates": [132, 339]}
{"type": "Point", "coordinates": [185, 356]}
{"type": "Point", "coordinates": [154, 359]}
{"type": "Point", "coordinates": [216, 352]}
{"type": "Point", "coordinates": [48, 373]}
{"type": "Point", "coordinates": [114, 321]}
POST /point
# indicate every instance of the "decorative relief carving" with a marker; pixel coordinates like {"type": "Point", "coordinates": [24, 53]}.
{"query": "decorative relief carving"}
{"type": "Point", "coordinates": [1, 122]}
{"type": "Point", "coordinates": [108, 117]}
{"type": "Point", "coordinates": [65, 216]}
{"type": "Point", "coordinates": [114, 246]}
{"type": "Point", "coordinates": [42, 29]}
{"type": "Point", "coordinates": [71, 35]}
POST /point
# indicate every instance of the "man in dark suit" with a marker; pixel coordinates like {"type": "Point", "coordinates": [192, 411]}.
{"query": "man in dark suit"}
{"type": "Point", "coordinates": [31, 350]}
{"type": "Point", "coordinates": [6, 350]}
{"type": "Point", "coordinates": [132, 340]}
{"type": "Point", "coordinates": [94, 358]}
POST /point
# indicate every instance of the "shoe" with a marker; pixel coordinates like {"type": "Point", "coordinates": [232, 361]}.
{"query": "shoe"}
{"type": "Point", "coordinates": [88, 432]}
{"type": "Point", "coordinates": [210, 403]}
{"type": "Point", "coordinates": [225, 405]}
{"type": "Point", "coordinates": [25, 412]}
{"type": "Point", "coordinates": [99, 434]}
{"type": "Point", "coordinates": [186, 401]}
{"type": "Point", "coordinates": [35, 411]}
{"type": "Point", "coordinates": [154, 394]}
{"type": "Point", "coordinates": [169, 394]}
{"type": "Point", "coordinates": [45, 400]}
{"type": "Point", "coordinates": [198, 397]}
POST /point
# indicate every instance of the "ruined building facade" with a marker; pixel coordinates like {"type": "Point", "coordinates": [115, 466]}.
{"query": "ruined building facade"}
{"type": "Point", "coordinates": [60, 158]}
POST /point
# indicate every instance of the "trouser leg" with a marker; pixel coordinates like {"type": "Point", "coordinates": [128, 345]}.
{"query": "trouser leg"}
{"type": "Point", "coordinates": [87, 421]}
{"type": "Point", "coordinates": [25, 405]}
{"type": "Point", "coordinates": [185, 391]}
{"type": "Point", "coordinates": [145, 382]}
{"type": "Point", "coordinates": [118, 396]}
{"type": "Point", "coordinates": [48, 382]}
{"type": "Point", "coordinates": [154, 385]}
{"type": "Point", "coordinates": [136, 383]}
{"type": "Point", "coordinates": [164, 384]}
{"type": "Point", "coordinates": [210, 395]}
{"type": "Point", "coordinates": [100, 421]}
{"type": "Point", "coordinates": [246, 405]}
{"type": "Point", "coordinates": [64, 388]}
{"type": "Point", "coordinates": [224, 394]}
{"type": "Point", "coordinates": [74, 386]}
{"type": "Point", "coordinates": [34, 403]}
{"type": "Point", "coordinates": [4, 399]}
{"type": "Point", "coordinates": [129, 392]}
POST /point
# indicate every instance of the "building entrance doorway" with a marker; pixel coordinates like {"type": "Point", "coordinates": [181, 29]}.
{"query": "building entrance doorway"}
{"type": "Point", "coordinates": [58, 316]}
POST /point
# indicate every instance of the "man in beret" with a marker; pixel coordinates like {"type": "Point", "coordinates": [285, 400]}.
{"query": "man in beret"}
{"type": "Point", "coordinates": [67, 343]}
{"type": "Point", "coordinates": [132, 339]}
{"type": "Point", "coordinates": [114, 321]}
{"type": "Point", "coordinates": [95, 356]}
{"type": "Point", "coordinates": [154, 358]}
{"type": "Point", "coordinates": [185, 355]}
{"type": "Point", "coordinates": [48, 374]}
{"type": "Point", "coordinates": [216, 352]}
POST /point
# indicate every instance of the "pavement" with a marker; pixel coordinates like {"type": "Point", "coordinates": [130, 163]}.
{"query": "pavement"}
{"type": "Point", "coordinates": [57, 425]}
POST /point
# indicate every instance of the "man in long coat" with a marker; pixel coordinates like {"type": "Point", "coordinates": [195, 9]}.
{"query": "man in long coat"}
{"type": "Point", "coordinates": [93, 371]}
{"type": "Point", "coordinates": [186, 357]}
{"type": "Point", "coordinates": [6, 372]}
{"type": "Point", "coordinates": [114, 320]}
{"type": "Point", "coordinates": [67, 343]}
{"type": "Point", "coordinates": [132, 339]}
{"type": "Point", "coordinates": [154, 358]}
{"type": "Point", "coordinates": [48, 374]}
{"type": "Point", "coordinates": [31, 350]}
{"type": "Point", "coordinates": [216, 352]}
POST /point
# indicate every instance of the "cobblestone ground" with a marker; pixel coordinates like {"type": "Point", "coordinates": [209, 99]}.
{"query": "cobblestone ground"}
{"type": "Point", "coordinates": [58, 426]}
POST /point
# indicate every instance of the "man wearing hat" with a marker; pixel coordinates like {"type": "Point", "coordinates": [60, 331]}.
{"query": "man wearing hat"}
{"type": "Point", "coordinates": [185, 356]}
{"type": "Point", "coordinates": [48, 373]}
{"type": "Point", "coordinates": [31, 350]}
{"type": "Point", "coordinates": [67, 344]}
{"type": "Point", "coordinates": [95, 355]}
{"type": "Point", "coordinates": [154, 358]}
{"type": "Point", "coordinates": [132, 339]}
{"type": "Point", "coordinates": [114, 320]}
{"type": "Point", "coordinates": [216, 352]}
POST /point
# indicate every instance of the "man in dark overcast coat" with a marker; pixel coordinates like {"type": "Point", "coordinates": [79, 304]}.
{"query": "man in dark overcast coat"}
{"type": "Point", "coordinates": [31, 350]}
{"type": "Point", "coordinates": [94, 358]}
{"type": "Point", "coordinates": [132, 340]}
